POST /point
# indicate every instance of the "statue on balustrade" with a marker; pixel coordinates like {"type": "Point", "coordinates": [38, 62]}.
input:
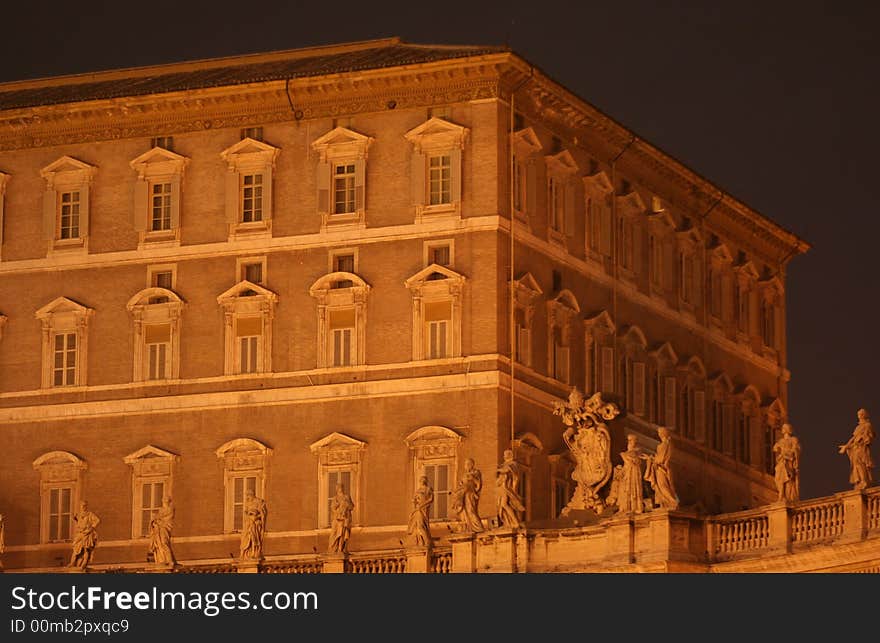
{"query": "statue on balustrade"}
{"type": "Point", "coordinates": [160, 534]}
{"type": "Point", "coordinates": [858, 449]}
{"type": "Point", "coordinates": [419, 529]}
{"type": "Point", "coordinates": [86, 537]}
{"type": "Point", "coordinates": [659, 474]}
{"type": "Point", "coordinates": [629, 488]}
{"type": "Point", "coordinates": [589, 441]}
{"type": "Point", "coordinates": [510, 504]}
{"type": "Point", "coordinates": [341, 508]}
{"type": "Point", "coordinates": [466, 498]}
{"type": "Point", "coordinates": [788, 458]}
{"type": "Point", "coordinates": [253, 526]}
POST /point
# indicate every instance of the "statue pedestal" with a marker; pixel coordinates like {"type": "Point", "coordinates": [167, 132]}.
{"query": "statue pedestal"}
{"type": "Point", "coordinates": [497, 550]}
{"type": "Point", "coordinates": [463, 553]}
{"type": "Point", "coordinates": [248, 566]}
{"type": "Point", "coordinates": [334, 562]}
{"type": "Point", "coordinates": [159, 568]}
{"type": "Point", "coordinates": [418, 560]}
{"type": "Point", "coordinates": [855, 515]}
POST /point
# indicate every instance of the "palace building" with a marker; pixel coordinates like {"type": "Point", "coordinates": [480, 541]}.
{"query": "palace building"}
{"type": "Point", "coordinates": [366, 263]}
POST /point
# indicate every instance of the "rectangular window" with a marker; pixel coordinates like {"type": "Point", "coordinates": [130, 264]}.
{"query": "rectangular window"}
{"type": "Point", "coordinates": [334, 478]}
{"type": "Point", "coordinates": [768, 330]}
{"type": "Point", "coordinates": [518, 186]}
{"type": "Point", "coordinates": [560, 361]}
{"type": "Point", "coordinates": [165, 142]}
{"type": "Point", "coordinates": [68, 211]}
{"type": "Point", "coordinates": [64, 365]}
{"type": "Point", "coordinates": [523, 344]}
{"type": "Point", "coordinates": [439, 180]}
{"type": "Point", "coordinates": [151, 501]}
{"type": "Point", "coordinates": [255, 133]}
{"type": "Point", "coordinates": [669, 401]}
{"type": "Point", "coordinates": [163, 279]}
{"type": "Point", "coordinates": [240, 486]}
{"type": "Point", "coordinates": [248, 347]}
{"type": "Point", "coordinates": [343, 263]}
{"type": "Point", "coordinates": [59, 513]}
{"type": "Point", "coordinates": [556, 203]}
{"type": "Point", "coordinates": [595, 225]}
{"type": "Point", "coordinates": [160, 206]}
{"type": "Point", "coordinates": [638, 388]}
{"type": "Point", "coordinates": [607, 369]}
{"type": "Point", "coordinates": [743, 309]}
{"type": "Point", "coordinates": [700, 415]}
{"type": "Point", "coordinates": [342, 328]}
{"type": "Point", "coordinates": [253, 272]}
{"type": "Point", "coordinates": [249, 336]}
{"type": "Point", "coordinates": [439, 255]}
{"type": "Point", "coordinates": [655, 252]}
{"type": "Point", "coordinates": [438, 320]}
{"type": "Point", "coordinates": [251, 198]}
{"type": "Point", "coordinates": [343, 188]}
{"type": "Point", "coordinates": [560, 496]}
{"type": "Point", "coordinates": [438, 478]}
{"type": "Point", "coordinates": [157, 340]}
{"type": "Point", "coordinates": [522, 488]}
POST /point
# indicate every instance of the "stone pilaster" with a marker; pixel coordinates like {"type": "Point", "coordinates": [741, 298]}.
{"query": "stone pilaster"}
{"type": "Point", "coordinates": [334, 563]}
{"type": "Point", "coordinates": [418, 560]}
{"type": "Point", "coordinates": [463, 553]}
{"type": "Point", "coordinates": [855, 515]}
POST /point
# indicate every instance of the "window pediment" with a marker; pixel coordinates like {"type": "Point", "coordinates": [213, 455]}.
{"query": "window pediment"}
{"type": "Point", "coordinates": [142, 299]}
{"type": "Point", "coordinates": [338, 448]}
{"type": "Point", "coordinates": [721, 254]}
{"type": "Point", "coordinates": [666, 354]}
{"type": "Point", "coordinates": [689, 238]}
{"type": "Point", "coordinates": [243, 453]}
{"type": "Point", "coordinates": [598, 185]}
{"type": "Point", "coordinates": [772, 288]}
{"type": "Point", "coordinates": [527, 444]}
{"type": "Point", "coordinates": [561, 164]}
{"type": "Point", "coordinates": [436, 277]}
{"type": "Point", "coordinates": [661, 219]}
{"type": "Point", "coordinates": [56, 459]}
{"type": "Point", "coordinates": [635, 337]}
{"type": "Point", "coordinates": [158, 162]}
{"type": "Point", "coordinates": [601, 322]}
{"type": "Point", "coordinates": [250, 153]}
{"type": "Point", "coordinates": [433, 442]}
{"type": "Point", "coordinates": [566, 299]}
{"type": "Point", "coordinates": [149, 452]}
{"type": "Point", "coordinates": [525, 140]}
{"type": "Point", "coordinates": [325, 286]}
{"type": "Point", "coordinates": [248, 290]}
{"type": "Point", "coordinates": [775, 412]}
{"type": "Point", "coordinates": [747, 271]}
{"type": "Point", "coordinates": [437, 134]}
{"type": "Point", "coordinates": [526, 290]}
{"type": "Point", "coordinates": [61, 309]}
{"type": "Point", "coordinates": [722, 384]}
{"type": "Point", "coordinates": [342, 142]}
{"type": "Point", "coordinates": [696, 368]}
{"type": "Point", "coordinates": [67, 171]}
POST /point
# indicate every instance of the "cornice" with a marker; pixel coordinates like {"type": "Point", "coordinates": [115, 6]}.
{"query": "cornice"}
{"type": "Point", "coordinates": [244, 105]}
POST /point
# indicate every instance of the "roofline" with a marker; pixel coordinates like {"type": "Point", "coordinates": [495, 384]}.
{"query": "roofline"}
{"type": "Point", "coordinates": [798, 245]}
{"type": "Point", "coordinates": [201, 64]}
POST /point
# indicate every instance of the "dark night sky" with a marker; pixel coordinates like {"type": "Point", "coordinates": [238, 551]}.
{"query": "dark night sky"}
{"type": "Point", "coordinates": [777, 103]}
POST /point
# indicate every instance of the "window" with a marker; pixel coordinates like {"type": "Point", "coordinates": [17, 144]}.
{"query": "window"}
{"type": "Point", "coordinates": [65, 337]}
{"type": "Point", "coordinates": [436, 167]}
{"type": "Point", "coordinates": [165, 142]}
{"type": "Point", "coordinates": [440, 252]}
{"type": "Point", "coordinates": [561, 467]}
{"type": "Point", "coordinates": [721, 414]}
{"type": "Point", "coordinates": [162, 276]}
{"type": "Point", "coordinates": [631, 210]}
{"type": "Point", "coordinates": [164, 279]}
{"type": "Point", "coordinates": [598, 192]}
{"type": "Point", "coordinates": [158, 194]}
{"type": "Point", "coordinates": [525, 447]}
{"type": "Point", "coordinates": [252, 269]}
{"type": "Point", "coordinates": [440, 180]}
{"type": "Point", "coordinates": [343, 188]}
{"type": "Point", "coordinates": [689, 268]}
{"type": "Point", "coordinates": [599, 346]}
{"type": "Point", "coordinates": [436, 292]}
{"type": "Point", "coordinates": [342, 313]}
{"type": "Point", "coordinates": [771, 295]}
{"type": "Point", "coordinates": [66, 203]}
{"type": "Point", "coordinates": [4, 179]}
{"type": "Point", "coordinates": [720, 282]}
{"type": "Point", "coordinates": [655, 260]}
{"type": "Point", "coordinates": [151, 475]}
{"type": "Point", "coordinates": [340, 458]}
{"type": "Point", "coordinates": [526, 293]}
{"type": "Point", "coordinates": [156, 313]}
{"type": "Point", "coordinates": [255, 133]}
{"type": "Point", "coordinates": [561, 167]}
{"type": "Point", "coordinates": [250, 166]}
{"type": "Point", "coordinates": [526, 150]}
{"type": "Point", "coordinates": [562, 311]}
{"type": "Point", "coordinates": [245, 468]}
{"type": "Point", "coordinates": [343, 263]}
{"type": "Point", "coordinates": [60, 482]}
{"type": "Point", "coordinates": [251, 198]}
{"type": "Point", "coordinates": [434, 454]}
{"type": "Point", "coordinates": [248, 310]}
{"type": "Point", "coordinates": [341, 177]}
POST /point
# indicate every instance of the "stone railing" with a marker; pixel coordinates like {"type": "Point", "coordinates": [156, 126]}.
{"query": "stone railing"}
{"type": "Point", "coordinates": [874, 509]}
{"type": "Point", "coordinates": [377, 564]}
{"type": "Point", "coordinates": [817, 521]}
{"type": "Point", "coordinates": [441, 562]}
{"type": "Point", "coordinates": [313, 566]}
{"type": "Point", "coordinates": [748, 533]}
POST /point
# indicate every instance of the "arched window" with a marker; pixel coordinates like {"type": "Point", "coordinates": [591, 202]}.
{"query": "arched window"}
{"type": "Point", "coordinates": [342, 319]}
{"type": "Point", "coordinates": [156, 316]}
{"type": "Point", "coordinates": [152, 474]}
{"type": "Point", "coordinates": [437, 298]}
{"type": "Point", "coordinates": [248, 311]}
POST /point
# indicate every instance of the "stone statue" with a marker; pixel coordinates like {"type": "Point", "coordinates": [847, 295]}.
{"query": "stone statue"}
{"type": "Point", "coordinates": [510, 503]}
{"type": "Point", "coordinates": [858, 449]}
{"type": "Point", "coordinates": [419, 529]}
{"type": "Point", "coordinates": [659, 474]}
{"type": "Point", "coordinates": [588, 440]}
{"type": "Point", "coordinates": [629, 488]}
{"type": "Point", "coordinates": [253, 526]}
{"type": "Point", "coordinates": [788, 457]}
{"type": "Point", "coordinates": [160, 534]}
{"type": "Point", "coordinates": [466, 498]}
{"type": "Point", "coordinates": [341, 507]}
{"type": "Point", "coordinates": [86, 537]}
{"type": "Point", "coordinates": [611, 498]}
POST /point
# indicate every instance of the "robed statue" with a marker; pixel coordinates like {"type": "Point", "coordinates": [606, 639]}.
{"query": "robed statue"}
{"type": "Point", "coordinates": [510, 503]}
{"type": "Point", "coordinates": [858, 449]}
{"type": "Point", "coordinates": [253, 526]}
{"type": "Point", "coordinates": [419, 529]}
{"type": "Point", "coordinates": [466, 498]}
{"type": "Point", "coordinates": [161, 526]}
{"type": "Point", "coordinates": [86, 537]}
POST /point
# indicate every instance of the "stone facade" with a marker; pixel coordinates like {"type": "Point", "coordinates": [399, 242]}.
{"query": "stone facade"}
{"type": "Point", "coordinates": [277, 273]}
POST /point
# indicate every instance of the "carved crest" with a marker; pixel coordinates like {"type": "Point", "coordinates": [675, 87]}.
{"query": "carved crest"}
{"type": "Point", "coordinates": [589, 441]}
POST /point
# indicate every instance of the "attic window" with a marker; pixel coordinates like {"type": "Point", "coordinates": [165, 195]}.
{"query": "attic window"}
{"type": "Point", "coordinates": [255, 133]}
{"type": "Point", "coordinates": [165, 142]}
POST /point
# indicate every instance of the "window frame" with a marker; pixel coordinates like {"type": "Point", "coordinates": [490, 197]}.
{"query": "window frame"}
{"type": "Point", "coordinates": [244, 301]}
{"type": "Point", "coordinates": [331, 299]}
{"type": "Point", "coordinates": [145, 314]}
{"type": "Point", "coordinates": [148, 465]}
{"type": "Point", "coordinates": [58, 470]}
{"type": "Point", "coordinates": [157, 166]}
{"type": "Point", "coordinates": [249, 157]}
{"type": "Point", "coordinates": [339, 452]}
{"type": "Point", "coordinates": [64, 316]}
{"type": "Point", "coordinates": [242, 457]}
{"type": "Point", "coordinates": [64, 175]}
{"type": "Point", "coordinates": [341, 146]}
{"type": "Point", "coordinates": [436, 137]}
{"type": "Point", "coordinates": [434, 445]}
{"type": "Point", "coordinates": [562, 312]}
{"type": "Point", "coordinates": [427, 290]}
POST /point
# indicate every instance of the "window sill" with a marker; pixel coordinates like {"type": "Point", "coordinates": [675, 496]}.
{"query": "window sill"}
{"type": "Point", "coordinates": [433, 212]}
{"type": "Point", "coordinates": [252, 230]}
{"type": "Point", "coordinates": [353, 220]}
{"type": "Point", "coordinates": [159, 239]}
{"type": "Point", "coordinates": [68, 246]}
